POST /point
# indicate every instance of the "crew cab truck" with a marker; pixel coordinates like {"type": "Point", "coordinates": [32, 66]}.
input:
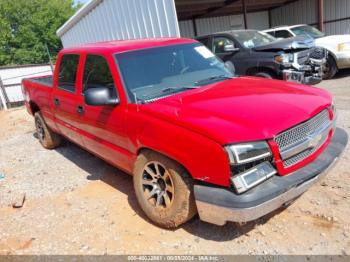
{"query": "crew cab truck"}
{"type": "Point", "coordinates": [196, 138]}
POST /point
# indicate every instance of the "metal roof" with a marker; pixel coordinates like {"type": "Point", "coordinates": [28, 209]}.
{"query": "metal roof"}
{"type": "Point", "coordinates": [194, 9]}
{"type": "Point", "coordinates": [190, 9]}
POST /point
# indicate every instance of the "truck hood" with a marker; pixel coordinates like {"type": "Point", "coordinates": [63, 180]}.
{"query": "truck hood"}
{"type": "Point", "coordinates": [332, 40]}
{"type": "Point", "coordinates": [288, 44]}
{"type": "Point", "coordinates": [242, 109]}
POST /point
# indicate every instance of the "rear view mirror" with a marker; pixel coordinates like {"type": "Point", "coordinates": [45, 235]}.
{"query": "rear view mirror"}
{"type": "Point", "coordinates": [100, 96]}
{"type": "Point", "coordinates": [230, 48]}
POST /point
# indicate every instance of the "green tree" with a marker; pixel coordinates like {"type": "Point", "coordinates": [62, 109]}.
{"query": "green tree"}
{"type": "Point", "coordinates": [26, 26]}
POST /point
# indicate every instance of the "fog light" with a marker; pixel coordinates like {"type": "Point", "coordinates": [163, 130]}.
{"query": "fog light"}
{"type": "Point", "coordinates": [250, 178]}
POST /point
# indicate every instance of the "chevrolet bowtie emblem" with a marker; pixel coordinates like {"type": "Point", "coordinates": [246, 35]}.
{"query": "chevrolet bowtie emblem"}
{"type": "Point", "coordinates": [315, 140]}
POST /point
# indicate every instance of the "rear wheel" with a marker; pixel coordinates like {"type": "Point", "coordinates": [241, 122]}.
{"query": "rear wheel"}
{"type": "Point", "coordinates": [48, 139]}
{"type": "Point", "coordinates": [164, 190]}
{"type": "Point", "coordinates": [330, 68]}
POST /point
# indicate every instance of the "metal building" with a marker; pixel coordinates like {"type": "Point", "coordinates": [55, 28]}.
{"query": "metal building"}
{"type": "Point", "coordinates": [101, 20]}
{"type": "Point", "coordinates": [334, 15]}
{"type": "Point", "coordinates": [11, 78]}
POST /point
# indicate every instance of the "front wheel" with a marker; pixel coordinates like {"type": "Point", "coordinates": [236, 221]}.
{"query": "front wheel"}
{"type": "Point", "coordinates": [264, 75]}
{"type": "Point", "coordinates": [330, 68]}
{"type": "Point", "coordinates": [164, 190]}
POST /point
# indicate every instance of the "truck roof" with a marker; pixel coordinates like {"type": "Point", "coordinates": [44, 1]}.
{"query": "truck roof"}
{"type": "Point", "coordinates": [120, 46]}
{"type": "Point", "coordinates": [281, 27]}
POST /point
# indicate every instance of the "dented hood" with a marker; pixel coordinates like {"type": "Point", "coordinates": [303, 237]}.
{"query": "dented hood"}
{"type": "Point", "coordinates": [288, 44]}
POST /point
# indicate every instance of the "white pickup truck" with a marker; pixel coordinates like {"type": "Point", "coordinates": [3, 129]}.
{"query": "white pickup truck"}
{"type": "Point", "coordinates": [338, 46]}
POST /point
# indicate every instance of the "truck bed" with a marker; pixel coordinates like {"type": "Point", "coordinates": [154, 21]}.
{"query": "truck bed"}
{"type": "Point", "coordinates": [44, 80]}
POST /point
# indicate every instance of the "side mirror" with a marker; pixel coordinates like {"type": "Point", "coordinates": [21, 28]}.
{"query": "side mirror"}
{"type": "Point", "coordinates": [100, 96]}
{"type": "Point", "coordinates": [230, 48]}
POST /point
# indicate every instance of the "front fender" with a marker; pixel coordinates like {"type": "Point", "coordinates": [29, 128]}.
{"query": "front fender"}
{"type": "Point", "coordinates": [202, 157]}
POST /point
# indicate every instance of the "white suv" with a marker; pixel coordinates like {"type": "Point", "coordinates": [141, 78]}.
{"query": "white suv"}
{"type": "Point", "coordinates": [338, 46]}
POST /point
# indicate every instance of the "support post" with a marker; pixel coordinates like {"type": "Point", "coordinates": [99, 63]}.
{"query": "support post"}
{"type": "Point", "coordinates": [321, 15]}
{"type": "Point", "coordinates": [244, 7]}
{"type": "Point", "coordinates": [3, 95]}
{"type": "Point", "coordinates": [194, 27]}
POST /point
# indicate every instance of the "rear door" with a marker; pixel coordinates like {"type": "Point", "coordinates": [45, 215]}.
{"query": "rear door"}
{"type": "Point", "coordinates": [65, 99]}
{"type": "Point", "coordinates": [104, 126]}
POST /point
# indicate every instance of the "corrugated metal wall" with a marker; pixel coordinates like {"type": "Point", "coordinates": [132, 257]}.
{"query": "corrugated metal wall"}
{"type": "Point", "coordinates": [337, 9]}
{"type": "Point", "coordinates": [300, 12]}
{"type": "Point", "coordinates": [11, 78]}
{"type": "Point", "coordinates": [259, 20]}
{"type": "Point", "coordinates": [120, 19]}
{"type": "Point", "coordinates": [306, 12]}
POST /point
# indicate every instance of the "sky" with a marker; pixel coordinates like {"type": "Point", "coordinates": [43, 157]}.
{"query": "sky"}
{"type": "Point", "coordinates": [81, 1]}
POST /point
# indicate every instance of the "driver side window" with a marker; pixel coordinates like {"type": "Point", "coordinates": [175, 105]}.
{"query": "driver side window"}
{"type": "Point", "coordinates": [97, 73]}
{"type": "Point", "coordinates": [220, 43]}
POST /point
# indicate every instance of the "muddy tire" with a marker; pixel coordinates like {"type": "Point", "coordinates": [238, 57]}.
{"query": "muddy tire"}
{"type": "Point", "coordinates": [330, 68]}
{"type": "Point", "coordinates": [164, 190]}
{"type": "Point", "coordinates": [48, 139]}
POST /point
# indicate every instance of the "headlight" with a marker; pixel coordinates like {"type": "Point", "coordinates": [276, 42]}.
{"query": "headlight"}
{"type": "Point", "coordinates": [250, 165]}
{"type": "Point", "coordinates": [244, 153]}
{"type": "Point", "coordinates": [344, 47]}
{"type": "Point", "coordinates": [284, 59]}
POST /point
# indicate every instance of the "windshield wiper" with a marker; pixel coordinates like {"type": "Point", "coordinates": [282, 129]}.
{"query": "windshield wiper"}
{"type": "Point", "coordinates": [175, 88]}
{"type": "Point", "coordinates": [212, 79]}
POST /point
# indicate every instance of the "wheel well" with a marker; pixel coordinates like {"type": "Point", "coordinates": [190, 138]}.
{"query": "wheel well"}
{"type": "Point", "coordinates": [254, 70]}
{"type": "Point", "coordinates": [146, 149]}
{"type": "Point", "coordinates": [334, 57]}
{"type": "Point", "coordinates": [34, 107]}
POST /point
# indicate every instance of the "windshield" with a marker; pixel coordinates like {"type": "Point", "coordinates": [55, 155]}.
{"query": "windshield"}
{"type": "Point", "coordinates": [307, 31]}
{"type": "Point", "coordinates": [251, 39]}
{"type": "Point", "coordinates": [153, 73]}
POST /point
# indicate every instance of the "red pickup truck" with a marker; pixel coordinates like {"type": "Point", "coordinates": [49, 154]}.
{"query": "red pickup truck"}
{"type": "Point", "coordinates": [196, 138]}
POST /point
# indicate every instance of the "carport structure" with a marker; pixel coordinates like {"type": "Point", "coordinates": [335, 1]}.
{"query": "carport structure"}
{"type": "Point", "coordinates": [102, 20]}
{"type": "Point", "coordinates": [199, 9]}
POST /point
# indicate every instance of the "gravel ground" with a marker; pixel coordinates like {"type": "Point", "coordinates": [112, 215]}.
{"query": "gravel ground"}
{"type": "Point", "coordinates": [77, 204]}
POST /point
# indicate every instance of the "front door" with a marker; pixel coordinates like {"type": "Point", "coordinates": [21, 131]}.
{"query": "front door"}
{"type": "Point", "coordinates": [104, 126]}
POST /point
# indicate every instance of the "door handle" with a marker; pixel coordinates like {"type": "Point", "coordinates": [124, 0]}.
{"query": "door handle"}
{"type": "Point", "coordinates": [80, 110]}
{"type": "Point", "coordinates": [57, 101]}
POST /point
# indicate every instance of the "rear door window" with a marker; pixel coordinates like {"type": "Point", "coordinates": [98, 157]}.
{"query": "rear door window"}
{"type": "Point", "coordinates": [272, 33]}
{"type": "Point", "coordinates": [97, 73]}
{"type": "Point", "coordinates": [68, 72]}
{"type": "Point", "coordinates": [205, 41]}
{"type": "Point", "coordinates": [282, 34]}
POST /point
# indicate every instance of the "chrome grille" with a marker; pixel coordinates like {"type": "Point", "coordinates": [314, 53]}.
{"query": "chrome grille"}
{"type": "Point", "coordinates": [300, 133]}
{"type": "Point", "coordinates": [303, 57]}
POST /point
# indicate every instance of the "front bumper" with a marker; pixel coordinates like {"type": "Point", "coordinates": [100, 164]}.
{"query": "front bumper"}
{"type": "Point", "coordinates": [220, 205]}
{"type": "Point", "coordinates": [301, 77]}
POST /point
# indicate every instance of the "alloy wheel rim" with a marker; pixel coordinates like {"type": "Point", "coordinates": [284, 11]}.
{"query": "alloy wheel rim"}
{"type": "Point", "coordinates": [157, 185]}
{"type": "Point", "coordinates": [326, 68]}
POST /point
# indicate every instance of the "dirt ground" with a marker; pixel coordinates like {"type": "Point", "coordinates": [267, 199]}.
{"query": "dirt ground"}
{"type": "Point", "coordinates": [77, 204]}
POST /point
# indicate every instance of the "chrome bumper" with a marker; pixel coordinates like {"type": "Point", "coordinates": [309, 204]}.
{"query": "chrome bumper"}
{"type": "Point", "coordinates": [218, 205]}
{"type": "Point", "coordinates": [299, 77]}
